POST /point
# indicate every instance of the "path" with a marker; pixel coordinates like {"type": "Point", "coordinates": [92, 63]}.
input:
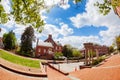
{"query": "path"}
{"type": "Point", "coordinates": [109, 70]}
{"type": "Point", "coordinates": [68, 67]}
{"type": "Point", "coordinates": [8, 75]}
{"type": "Point", "coordinates": [55, 75]}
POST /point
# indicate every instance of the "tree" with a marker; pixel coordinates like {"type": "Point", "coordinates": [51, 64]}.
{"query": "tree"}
{"type": "Point", "coordinates": [67, 51]}
{"type": "Point", "coordinates": [0, 29]}
{"type": "Point", "coordinates": [117, 40]}
{"type": "Point", "coordinates": [24, 12]}
{"type": "Point", "coordinates": [58, 55]}
{"type": "Point", "coordinates": [9, 40]}
{"type": "Point", "coordinates": [28, 11]}
{"type": "Point", "coordinates": [76, 53]}
{"type": "Point", "coordinates": [3, 15]}
{"type": "Point", "coordinates": [26, 41]}
{"type": "Point", "coordinates": [105, 7]}
{"type": "Point", "coordinates": [111, 49]}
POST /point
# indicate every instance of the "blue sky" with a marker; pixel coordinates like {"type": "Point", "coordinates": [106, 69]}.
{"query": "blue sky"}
{"type": "Point", "coordinates": [62, 15]}
{"type": "Point", "coordinates": [72, 25]}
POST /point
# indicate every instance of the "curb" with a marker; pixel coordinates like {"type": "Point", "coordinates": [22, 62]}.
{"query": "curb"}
{"type": "Point", "coordinates": [24, 73]}
{"type": "Point", "coordinates": [64, 73]}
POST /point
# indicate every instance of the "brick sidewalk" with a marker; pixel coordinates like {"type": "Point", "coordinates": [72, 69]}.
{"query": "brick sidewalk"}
{"type": "Point", "coordinates": [52, 74]}
{"type": "Point", "coordinates": [109, 70]}
{"type": "Point", "coordinates": [8, 75]}
{"type": "Point", "coordinates": [55, 75]}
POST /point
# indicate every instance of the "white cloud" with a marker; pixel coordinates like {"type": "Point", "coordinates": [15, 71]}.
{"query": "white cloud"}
{"type": "Point", "coordinates": [61, 3]}
{"type": "Point", "coordinates": [92, 17]}
{"type": "Point", "coordinates": [65, 30]}
{"type": "Point", "coordinates": [6, 6]}
{"type": "Point", "coordinates": [77, 41]}
{"type": "Point", "coordinates": [50, 29]}
{"type": "Point", "coordinates": [9, 24]}
{"type": "Point", "coordinates": [19, 30]}
{"type": "Point", "coordinates": [56, 31]}
{"type": "Point", "coordinates": [65, 4]}
{"type": "Point", "coordinates": [3, 30]}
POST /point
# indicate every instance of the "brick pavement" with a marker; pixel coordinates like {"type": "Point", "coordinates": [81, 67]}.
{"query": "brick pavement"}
{"type": "Point", "coordinates": [55, 75]}
{"type": "Point", "coordinates": [8, 75]}
{"type": "Point", "coordinates": [109, 70]}
{"type": "Point", "coordinates": [52, 74]}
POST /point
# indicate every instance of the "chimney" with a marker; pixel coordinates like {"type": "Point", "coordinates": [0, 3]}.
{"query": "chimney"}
{"type": "Point", "coordinates": [50, 36]}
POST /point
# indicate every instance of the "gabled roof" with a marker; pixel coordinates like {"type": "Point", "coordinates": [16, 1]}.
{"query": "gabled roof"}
{"type": "Point", "coordinates": [49, 39]}
{"type": "Point", "coordinates": [46, 44]}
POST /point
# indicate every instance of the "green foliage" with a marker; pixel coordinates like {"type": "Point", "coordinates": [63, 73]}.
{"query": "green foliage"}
{"type": "Point", "coordinates": [105, 7]}
{"type": "Point", "coordinates": [26, 41]}
{"type": "Point", "coordinates": [76, 53]}
{"type": "Point", "coordinates": [67, 51]}
{"type": "Point", "coordinates": [28, 12]}
{"type": "Point", "coordinates": [97, 61]}
{"type": "Point", "coordinates": [76, 1]}
{"type": "Point", "coordinates": [25, 12]}
{"type": "Point", "coordinates": [19, 60]}
{"type": "Point", "coordinates": [115, 3]}
{"type": "Point", "coordinates": [111, 49]}
{"type": "Point", "coordinates": [9, 40]}
{"type": "Point", "coordinates": [117, 40]}
{"type": "Point", "coordinates": [91, 53]}
{"type": "Point", "coordinates": [58, 55]}
{"type": "Point", "coordinates": [3, 15]}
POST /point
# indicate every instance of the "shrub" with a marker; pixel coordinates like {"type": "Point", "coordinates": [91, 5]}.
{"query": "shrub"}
{"type": "Point", "coordinates": [58, 55]}
{"type": "Point", "coordinates": [97, 61]}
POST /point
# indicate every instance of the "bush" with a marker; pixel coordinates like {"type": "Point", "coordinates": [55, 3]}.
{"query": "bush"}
{"type": "Point", "coordinates": [97, 61]}
{"type": "Point", "coordinates": [58, 55]}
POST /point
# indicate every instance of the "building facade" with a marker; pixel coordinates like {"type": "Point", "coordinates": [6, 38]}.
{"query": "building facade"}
{"type": "Point", "coordinates": [47, 48]}
{"type": "Point", "coordinates": [98, 49]}
{"type": "Point", "coordinates": [57, 47]}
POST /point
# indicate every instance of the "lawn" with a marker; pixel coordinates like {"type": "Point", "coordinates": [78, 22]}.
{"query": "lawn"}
{"type": "Point", "coordinates": [19, 60]}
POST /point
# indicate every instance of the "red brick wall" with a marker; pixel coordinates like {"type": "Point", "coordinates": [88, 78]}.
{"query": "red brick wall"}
{"type": "Point", "coordinates": [101, 49]}
{"type": "Point", "coordinates": [42, 50]}
{"type": "Point", "coordinates": [57, 48]}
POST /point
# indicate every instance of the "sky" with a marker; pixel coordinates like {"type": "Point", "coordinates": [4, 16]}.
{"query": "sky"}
{"type": "Point", "coordinates": [71, 24]}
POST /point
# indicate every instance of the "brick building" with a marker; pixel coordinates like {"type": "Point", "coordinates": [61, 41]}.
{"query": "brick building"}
{"type": "Point", "coordinates": [47, 48]}
{"type": "Point", "coordinates": [94, 48]}
{"type": "Point", "coordinates": [100, 50]}
{"type": "Point", "coordinates": [57, 47]}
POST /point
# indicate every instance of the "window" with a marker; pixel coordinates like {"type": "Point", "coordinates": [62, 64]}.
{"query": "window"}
{"type": "Point", "coordinates": [44, 50]}
{"type": "Point", "coordinates": [39, 50]}
{"type": "Point", "coordinates": [56, 47]}
{"type": "Point", "coordinates": [59, 47]}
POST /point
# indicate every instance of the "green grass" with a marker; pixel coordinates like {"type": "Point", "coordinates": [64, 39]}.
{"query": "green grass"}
{"type": "Point", "coordinates": [19, 60]}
